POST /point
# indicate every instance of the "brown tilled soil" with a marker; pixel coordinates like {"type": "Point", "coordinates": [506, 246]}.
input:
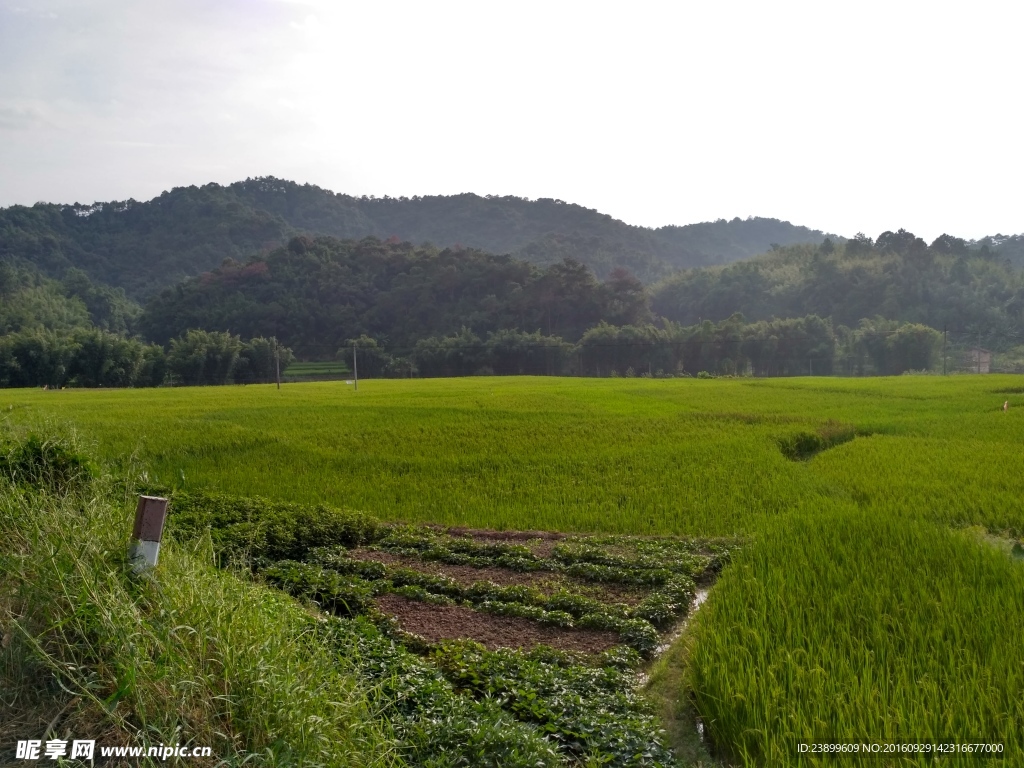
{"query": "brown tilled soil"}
{"type": "Point", "coordinates": [453, 622]}
{"type": "Point", "coordinates": [547, 582]}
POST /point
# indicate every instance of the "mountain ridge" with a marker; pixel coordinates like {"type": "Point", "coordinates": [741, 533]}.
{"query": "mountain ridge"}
{"type": "Point", "coordinates": [144, 247]}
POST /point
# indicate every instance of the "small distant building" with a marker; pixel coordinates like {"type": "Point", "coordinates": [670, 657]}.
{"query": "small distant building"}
{"type": "Point", "coordinates": [979, 360]}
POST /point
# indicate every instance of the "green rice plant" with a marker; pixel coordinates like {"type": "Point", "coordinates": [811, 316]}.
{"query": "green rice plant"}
{"type": "Point", "coordinates": [853, 626]}
{"type": "Point", "coordinates": [675, 456]}
{"type": "Point", "coordinates": [649, 457]}
{"type": "Point", "coordinates": [625, 456]}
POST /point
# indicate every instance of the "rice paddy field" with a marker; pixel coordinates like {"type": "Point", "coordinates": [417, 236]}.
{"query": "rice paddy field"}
{"type": "Point", "coordinates": [878, 595]}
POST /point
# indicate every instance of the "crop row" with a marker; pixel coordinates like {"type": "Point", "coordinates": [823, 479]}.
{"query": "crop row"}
{"type": "Point", "coordinates": [644, 563]}
{"type": "Point", "coordinates": [465, 705]}
{"type": "Point", "coordinates": [346, 587]}
{"type": "Point", "coordinates": [475, 707]}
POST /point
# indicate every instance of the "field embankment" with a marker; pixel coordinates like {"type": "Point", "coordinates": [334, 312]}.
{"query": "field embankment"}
{"type": "Point", "coordinates": [195, 657]}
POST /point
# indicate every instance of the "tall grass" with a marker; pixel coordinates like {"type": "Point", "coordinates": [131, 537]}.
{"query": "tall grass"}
{"type": "Point", "coordinates": [862, 626]}
{"type": "Point", "coordinates": [190, 655]}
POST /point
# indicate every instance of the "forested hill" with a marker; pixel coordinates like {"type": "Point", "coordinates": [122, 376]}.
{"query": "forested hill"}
{"type": "Point", "coordinates": [29, 301]}
{"type": "Point", "coordinates": [950, 283]}
{"type": "Point", "coordinates": [146, 246]}
{"type": "Point", "coordinates": [315, 294]}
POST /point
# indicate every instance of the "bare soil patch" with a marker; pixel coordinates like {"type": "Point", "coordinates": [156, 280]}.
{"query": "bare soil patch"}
{"type": "Point", "coordinates": [453, 622]}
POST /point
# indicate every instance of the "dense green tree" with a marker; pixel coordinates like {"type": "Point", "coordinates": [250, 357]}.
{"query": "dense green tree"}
{"type": "Point", "coordinates": [893, 348]}
{"type": "Point", "coordinates": [903, 279]}
{"type": "Point", "coordinates": [315, 295]}
{"type": "Point", "coordinates": [37, 357]}
{"type": "Point", "coordinates": [104, 359]}
{"type": "Point", "coordinates": [608, 350]}
{"type": "Point", "coordinates": [203, 357]}
{"type": "Point", "coordinates": [108, 307]}
{"type": "Point", "coordinates": [513, 352]}
{"type": "Point", "coordinates": [260, 359]}
{"type": "Point", "coordinates": [373, 362]}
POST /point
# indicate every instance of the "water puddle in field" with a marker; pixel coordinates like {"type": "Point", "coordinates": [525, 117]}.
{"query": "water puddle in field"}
{"type": "Point", "coordinates": [1012, 547]}
{"type": "Point", "coordinates": [699, 597]}
{"type": "Point", "coordinates": [698, 600]}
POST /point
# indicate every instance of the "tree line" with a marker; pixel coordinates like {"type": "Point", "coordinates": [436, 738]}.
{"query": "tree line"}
{"type": "Point", "coordinates": [419, 310]}
{"type": "Point", "coordinates": [93, 357]}
{"type": "Point", "coordinates": [791, 347]}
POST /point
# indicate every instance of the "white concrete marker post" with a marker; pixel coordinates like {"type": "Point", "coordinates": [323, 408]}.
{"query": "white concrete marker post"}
{"type": "Point", "coordinates": [149, 527]}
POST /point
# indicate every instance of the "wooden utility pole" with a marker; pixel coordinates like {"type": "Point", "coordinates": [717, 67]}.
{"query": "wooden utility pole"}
{"type": "Point", "coordinates": [355, 368]}
{"type": "Point", "coordinates": [943, 349]}
{"type": "Point", "coordinates": [277, 362]}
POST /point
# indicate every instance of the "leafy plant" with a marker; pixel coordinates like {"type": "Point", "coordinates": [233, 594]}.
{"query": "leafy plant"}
{"type": "Point", "coordinates": [53, 464]}
{"type": "Point", "coordinates": [255, 528]}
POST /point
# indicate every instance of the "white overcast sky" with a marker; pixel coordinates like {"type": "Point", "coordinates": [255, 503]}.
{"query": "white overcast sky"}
{"type": "Point", "coordinates": [846, 117]}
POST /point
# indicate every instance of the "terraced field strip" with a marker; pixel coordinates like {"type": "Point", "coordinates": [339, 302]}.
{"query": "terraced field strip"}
{"type": "Point", "coordinates": [519, 618]}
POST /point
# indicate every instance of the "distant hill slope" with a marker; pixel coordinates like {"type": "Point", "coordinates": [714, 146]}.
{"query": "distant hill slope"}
{"type": "Point", "coordinates": [31, 301]}
{"type": "Point", "coordinates": [951, 284]}
{"type": "Point", "coordinates": [146, 246]}
{"type": "Point", "coordinates": [141, 247]}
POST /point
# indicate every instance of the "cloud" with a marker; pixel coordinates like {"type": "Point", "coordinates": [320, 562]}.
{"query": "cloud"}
{"type": "Point", "coordinates": [22, 118]}
{"type": "Point", "coordinates": [860, 117]}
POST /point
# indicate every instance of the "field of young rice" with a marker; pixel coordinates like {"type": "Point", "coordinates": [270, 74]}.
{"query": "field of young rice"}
{"type": "Point", "coordinates": [879, 595]}
{"type": "Point", "coordinates": [859, 626]}
{"type": "Point", "coordinates": [624, 456]}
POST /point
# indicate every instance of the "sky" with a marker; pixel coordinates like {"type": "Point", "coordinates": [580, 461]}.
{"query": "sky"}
{"type": "Point", "coordinates": [852, 117]}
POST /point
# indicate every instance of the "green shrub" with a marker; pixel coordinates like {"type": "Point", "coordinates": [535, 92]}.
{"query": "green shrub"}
{"type": "Point", "coordinates": [533, 612]}
{"type": "Point", "coordinates": [260, 529]}
{"type": "Point", "coordinates": [660, 608]}
{"type": "Point", "coordinates": [433, 725]}
{"type": "Point", "coordinates": [334, 592]}
{"type": "Point", "coordinates": [804, 444]}
{"type": "Point", "coordinates": [54, 464]}
{"type": "Point", "coordinates": [591, 712]}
